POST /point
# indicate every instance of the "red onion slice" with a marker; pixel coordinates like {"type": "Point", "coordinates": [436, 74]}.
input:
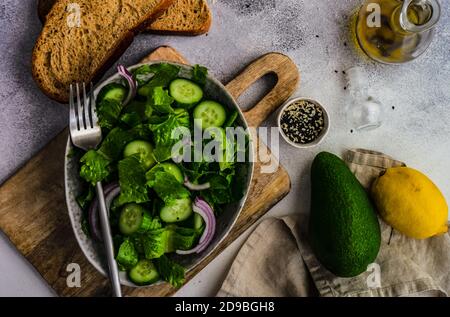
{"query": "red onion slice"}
{"type": "Point", "coordinates": [205, 211]}
{"type": "Point", "coordinates": [132, 86]}
{"type": "Point", "coordinates": [195, 187]}
{"type": "Point", "coordinates": [110, 191]}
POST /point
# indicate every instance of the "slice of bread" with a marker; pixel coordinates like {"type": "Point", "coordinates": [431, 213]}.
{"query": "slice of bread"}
{"type": "Point", "coordinates": [66, 53]}
{"type": "Point", "coordinates": [186, 17]}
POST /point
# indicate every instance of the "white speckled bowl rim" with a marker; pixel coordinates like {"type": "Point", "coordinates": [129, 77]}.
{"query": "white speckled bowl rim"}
{"type": "Point", "coordinates": [92, 250]}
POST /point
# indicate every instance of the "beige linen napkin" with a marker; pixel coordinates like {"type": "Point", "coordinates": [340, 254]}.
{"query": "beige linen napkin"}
{"type": "Point", "coordinates": [276, 260]}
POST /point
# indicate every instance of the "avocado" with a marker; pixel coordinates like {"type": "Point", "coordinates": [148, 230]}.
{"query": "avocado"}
{"type": "Point", "coordinates": [344, 232]}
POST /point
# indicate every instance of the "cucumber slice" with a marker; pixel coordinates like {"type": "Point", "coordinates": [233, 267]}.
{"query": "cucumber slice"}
{"type": "Point", "coordinates": [144, 273]}
{"type": "Point", "coordinates": [134, 218]}
{"type": "Point", "coordinates": [211, 114]}
{"type": "Point", "coordinates": [113, 91]}
{"type": "Point", "coordinates": [176, 211]}
{"type": "Point", "coordinates": [172, 169]}
{"type": "Point", "coordinates": [144, 149]}
{"type": "Point", "coordinates": [185, 91]}
{"type": "Point", "coordinates": [198, 221]}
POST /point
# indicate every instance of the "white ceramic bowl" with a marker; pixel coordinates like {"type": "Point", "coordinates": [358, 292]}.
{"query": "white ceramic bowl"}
{"type": "Point", "coordinates": [321, 136]}
{"type": "Point", "coordinates": [73, 187]}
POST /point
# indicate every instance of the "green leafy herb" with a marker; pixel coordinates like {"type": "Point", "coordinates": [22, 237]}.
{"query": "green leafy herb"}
{"type": "Point", "coordinates": [108, 112]}
{"type": "Point", "coordinates": [163, 74]}
{"type": "Point", "coordinates": [85, 199]}
{"type": "Point", "coordinates": [127, 255]}
{"type": "Point", "coordinates": [132, 181]}
{"type": "Point", "coordinates": [183, 239]}
{"type": "Point", "coordinates": [163, 134]}
{"type": "Point", "coordinates": [141, 131]}
{"type": "Point", "coordinates": [136, 112]}
{"type": "Point", "coordinates": [161, 100]}
{"type": "Point", "coordinates": [131, 119]}
{"type": "Point", "coordinates": [166, 185]}
{"type": "Point", "coordinates": [142, 74]}
{"type": "Point", "coordinates": [95, 167]}
{"type": "Point", "coordinates": [155, 243]}
{"type": "Point", "coordinates": [219, 191]}
{"type": "Point", "coordinates": [114, 143]}
{"type": "Point", "coordinates": [231, 119]}
{"type": "Point", "coordinates": [170, 271]}
{"type": "Point", "coordinates": [167, 240]}
{"type": "Point", "coordinates": [199, 74]}
{"type": "Point", "coordinates": [85, 226]}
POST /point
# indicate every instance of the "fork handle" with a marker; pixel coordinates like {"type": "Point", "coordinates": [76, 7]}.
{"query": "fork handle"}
{"type": "Point", "coordinates": [108, 242]}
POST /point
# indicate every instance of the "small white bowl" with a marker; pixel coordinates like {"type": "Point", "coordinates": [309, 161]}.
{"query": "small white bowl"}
{"type": "Point", "coordinates": [321, 136]}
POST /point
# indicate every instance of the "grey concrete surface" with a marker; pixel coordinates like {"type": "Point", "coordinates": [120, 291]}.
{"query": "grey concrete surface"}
{"type": "Point", "coordinates": [315, 34]}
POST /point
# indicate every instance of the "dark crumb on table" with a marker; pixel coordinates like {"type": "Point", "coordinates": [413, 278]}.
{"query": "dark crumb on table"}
{"type": "Point", "coordinates": [345, 43]}
{"type": "Point", "coordinates": [336, 71]}
{"type": "Point", "coordinates": [345, 87]}
{"type": "Point", "coordinates": [393, 107]}
{"type": "Point", "coordinates": [317, 36]}
{"type": "Point", "coordinates": [343, 72]}
{"type": "Point", "coordinates": [351, 131]}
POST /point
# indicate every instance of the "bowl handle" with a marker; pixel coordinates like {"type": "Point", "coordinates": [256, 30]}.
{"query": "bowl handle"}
{"type": "Point", "coordinates": [287, 78]}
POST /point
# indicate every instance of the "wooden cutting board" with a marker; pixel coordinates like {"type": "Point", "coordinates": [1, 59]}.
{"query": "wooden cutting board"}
{"type": "Point", "coordinates": [33, 211]}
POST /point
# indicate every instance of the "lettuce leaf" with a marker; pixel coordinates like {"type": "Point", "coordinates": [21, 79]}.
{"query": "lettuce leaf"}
{"type": "Point", "coordinates": [166, 185]}
{"type": "Point", "coordinates": [95, 167]}
{"type": "Point", "coordinates": [141, 131]}
{"type": "Point", "coordinates": [163, 133]}
{"type": "Point", "coordinates": [219, 191]}
{"type": "Point", "coordinates": [170, 271]}
{"type": "Point", "coordinates": [199, 74]}
{"type": "Point", "coordinates": [155, 243]}
{"type": "Point", "coordinates": [183, 239]}
{"type": "Point", "coordinates": [127, 255]}
{"type": "Point", "coordinates": [167, 240]}
{"type": "Point", "coordinates": [108, 112]}
{"type": "Point", "coordinates": [132, 181]}
{"type": "Point", "coordinates": [163, 74]}
{"type": "Point", "coordinates": [161, 100]}
{"type": "Point", "coordinates": [85, 199]}
{"type": "Point", "coordinates": [114, 143]}
{"type": "Point", "coordinates": [136, 112]}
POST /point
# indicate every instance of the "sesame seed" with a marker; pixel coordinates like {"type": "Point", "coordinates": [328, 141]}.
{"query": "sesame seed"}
{"type": "Point", "coordinates": [302, 121]}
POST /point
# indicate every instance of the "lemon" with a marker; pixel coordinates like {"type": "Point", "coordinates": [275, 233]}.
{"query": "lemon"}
{"type": "Point", "coordinates": [408, 201]}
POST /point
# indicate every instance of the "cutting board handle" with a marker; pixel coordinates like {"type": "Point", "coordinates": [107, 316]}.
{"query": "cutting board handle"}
{"type": "Point", "coordinates": [287, 77]}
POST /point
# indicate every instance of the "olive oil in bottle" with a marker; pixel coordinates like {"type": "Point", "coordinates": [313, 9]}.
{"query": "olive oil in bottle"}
{"type": "Point", "coordinates": [396, 31]}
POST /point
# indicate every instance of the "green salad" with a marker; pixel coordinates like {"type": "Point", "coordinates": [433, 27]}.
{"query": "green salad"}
{"type": "Point", "coordinates": [159, 204]}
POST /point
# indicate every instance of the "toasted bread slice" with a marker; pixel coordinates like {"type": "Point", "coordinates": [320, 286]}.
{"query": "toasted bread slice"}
{"type": "Point", "coordinates": [186, 17]}
{"type": "Point", "coordinates": [66, 52]}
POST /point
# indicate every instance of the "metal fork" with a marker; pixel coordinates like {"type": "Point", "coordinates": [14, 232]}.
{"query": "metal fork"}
{"type": "Point", "coordinates": [86, 134]}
